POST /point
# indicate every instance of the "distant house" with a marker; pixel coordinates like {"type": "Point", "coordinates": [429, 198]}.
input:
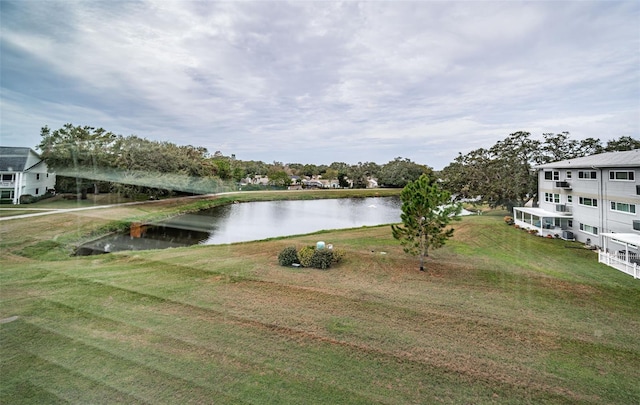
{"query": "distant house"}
{"type": "Point", "coordinates": [312, 183]}
{"type": "Point", "coordinates": [23, 172]}
{"type": "Point", "coordinates": [255, 180]}
{"type": "Point", "coordinates": [594, 200]}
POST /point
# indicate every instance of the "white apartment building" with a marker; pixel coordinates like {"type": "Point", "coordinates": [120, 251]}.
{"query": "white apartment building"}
{"type": "Point", "coordinates": [22, 172]}
{"type": "Point", "coordinates": [593, 199]}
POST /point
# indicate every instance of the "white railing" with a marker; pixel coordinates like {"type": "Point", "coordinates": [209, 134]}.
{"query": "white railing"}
{"type": "Point", "coordinates": [7, 183]}
{"type": "Point", "coordinates": [619, 262]}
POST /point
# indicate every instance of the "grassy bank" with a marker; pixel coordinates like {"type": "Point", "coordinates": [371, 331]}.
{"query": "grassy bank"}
{"type": "Point", "coordinates": [500, 317]}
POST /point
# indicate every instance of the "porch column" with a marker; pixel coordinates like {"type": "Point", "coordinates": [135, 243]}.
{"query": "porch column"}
{"type": "Point", "coordinates": [626, 253]}
{"type": "Point", "coordinates": [17, 186]}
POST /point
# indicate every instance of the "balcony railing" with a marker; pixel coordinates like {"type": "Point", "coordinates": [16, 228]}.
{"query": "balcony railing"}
{"type": "Point", "coordinates": [7, 183]}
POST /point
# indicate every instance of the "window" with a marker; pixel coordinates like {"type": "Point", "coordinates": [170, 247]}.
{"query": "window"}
{"type": "Point", "coordinates": [7, 177]}
{"type": "Point", "coordinates": [622, 175]}
{"type": "Point", "coordinates": [638, 190]}
{"type": "Point", "coordinates": [37, 191]}
{"type": "Point", "coordinates": [552, 198]}
{"type": "Point", "coordinates": [568, 175]}
{"type": "Point", "coordinates": [590, 202]}
{"type": "Point", "coordinates": [623, 207]}
{"type": "Point", "coordinates": [6, 194]}
{"type": "Point", "coordinates": [549, 175]}
{"type": "Point", "coordinates": [636, 225]}
{"type": "Point", "coordinates": [37, 177]}
{"type": "Point", "coordinates": [569, 199]}
{"type": "Point", "coordinates": [587, 174]}
{"type": "Point", "coordinates": [570, 223]}
{"type": "Point", "coordinates": [589, 229]}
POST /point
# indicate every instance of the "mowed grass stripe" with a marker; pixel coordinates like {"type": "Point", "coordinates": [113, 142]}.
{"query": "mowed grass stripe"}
{"type": "Point", "coordinates": [122, 375]}
{"type": "Point", "coordinates": [201, 335]}
{"type": "Point", "coordinates": [496, 375]}
{"type": "Point", "coordinates": [248, 343]}
{"type": "Point", "coordinates": [214, 359]}
{"type": "Point", "coordinates": [465, 351]}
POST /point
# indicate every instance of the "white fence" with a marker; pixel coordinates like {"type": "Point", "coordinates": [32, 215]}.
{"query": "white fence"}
{"type": "Point", "coordinates": [619, 262]}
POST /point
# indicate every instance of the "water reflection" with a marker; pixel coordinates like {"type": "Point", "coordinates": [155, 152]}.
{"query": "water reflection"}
{"type": "Point", "coordinates": [254, 221]}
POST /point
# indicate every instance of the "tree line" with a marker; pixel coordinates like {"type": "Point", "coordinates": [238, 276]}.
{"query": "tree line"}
{"type": "Point", "coordinates": [87, 158]}
{"type": "Point", "coordinates": [503, 175]}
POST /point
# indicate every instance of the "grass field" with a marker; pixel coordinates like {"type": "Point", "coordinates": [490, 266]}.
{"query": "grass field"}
{"type": "Point", "coordinates": [501, 316]}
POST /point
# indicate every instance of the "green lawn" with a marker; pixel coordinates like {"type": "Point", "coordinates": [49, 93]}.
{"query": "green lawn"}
{"type": "Point", "coordinates": [500, 317]}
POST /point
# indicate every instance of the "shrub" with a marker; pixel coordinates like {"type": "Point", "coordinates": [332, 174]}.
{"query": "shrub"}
{"type": "Point", "coordinates": [305, 254]}
{"type": "Point", "coordinates": [311, 257]}
{"type": "Point", "coordinates": [322, 259]}
{"type": "Point", "coordinates": [338, 255]}
{"type": "Point", "coordinates": [27, 199]}
{"type": "Point", "coordinates": [288, 256]}
{"type": "Point", "coordinates": [30, 199]}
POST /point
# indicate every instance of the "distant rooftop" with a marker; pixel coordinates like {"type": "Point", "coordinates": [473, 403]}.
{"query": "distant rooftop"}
{"type": "Point", "coordinates": [14, 159]}
{"type": "Point", "coordinates": [629, 158]}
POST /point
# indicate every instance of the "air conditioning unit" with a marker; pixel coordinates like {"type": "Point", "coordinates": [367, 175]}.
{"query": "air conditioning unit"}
{"type": "Point", "coordinates": [567, 235]}
{"type": "Point", "coordinates": [563, 184]}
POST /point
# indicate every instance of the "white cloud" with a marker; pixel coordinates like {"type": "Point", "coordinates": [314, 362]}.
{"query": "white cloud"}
{"type": "Point", "coordinates": [278, 81]}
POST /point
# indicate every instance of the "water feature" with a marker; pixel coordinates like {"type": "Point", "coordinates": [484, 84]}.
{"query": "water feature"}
{"type": "Point", "coordinates": [252, 221]}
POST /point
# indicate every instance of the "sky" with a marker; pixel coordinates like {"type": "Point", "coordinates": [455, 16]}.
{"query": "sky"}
{"type": "Point", "coordinates": [321, 81]}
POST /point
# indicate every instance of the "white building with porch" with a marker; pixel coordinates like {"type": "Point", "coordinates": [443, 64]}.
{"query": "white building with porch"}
{"type": "Point", "coordinates": [594, 200]}
{"type": "Point", "coordinates": [547, 223]}
{"type": "Point", "coordinates": [22, 172]}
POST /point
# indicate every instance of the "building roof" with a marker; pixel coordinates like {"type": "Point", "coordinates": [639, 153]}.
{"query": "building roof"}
{"type": "Point", "coordinates": [631, 238]}
{"type": "Point", "coordinates": [629, 158]}
{"type": "Point", "coordinates": [539, 212]}
{"type": "Point", "coordinates": [15, 159]}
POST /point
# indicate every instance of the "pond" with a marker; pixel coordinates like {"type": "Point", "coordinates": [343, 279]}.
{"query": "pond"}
{"type": "Point", "coordinates": [251, 221]}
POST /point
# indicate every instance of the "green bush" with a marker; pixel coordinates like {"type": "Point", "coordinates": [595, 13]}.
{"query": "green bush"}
{"type": "Point", "coordinates": [338, 255]}
{"type": "Point", "coordinates": [311, 257]}
{"type": "Point", "coordinates": [322, 259]}
{"type": "Point", "coordinates": [288, 256]}
{"type": "Point", "coordinates": [306, 254]}
{"type": "Point", "coordinates": [30, 199]}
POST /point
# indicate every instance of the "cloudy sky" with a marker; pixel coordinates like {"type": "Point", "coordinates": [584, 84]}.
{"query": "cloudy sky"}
{"type": "Point", "coordinates": [320, 82]}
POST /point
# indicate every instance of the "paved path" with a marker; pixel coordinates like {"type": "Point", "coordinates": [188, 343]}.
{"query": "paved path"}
{"type": "Point", "coordinates": [50, 211]}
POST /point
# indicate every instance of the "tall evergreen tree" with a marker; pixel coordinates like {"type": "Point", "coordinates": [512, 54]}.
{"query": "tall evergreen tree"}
{"type": "Point", "coordinates": [426, 211]}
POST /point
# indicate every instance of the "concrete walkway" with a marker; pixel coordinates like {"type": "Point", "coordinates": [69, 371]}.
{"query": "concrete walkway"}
{"type": "Point", "coordinates": [50, 211]}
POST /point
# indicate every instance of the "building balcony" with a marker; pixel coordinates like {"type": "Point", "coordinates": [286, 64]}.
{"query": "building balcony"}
{"type": "Point", "coordinates": [7, 184]}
